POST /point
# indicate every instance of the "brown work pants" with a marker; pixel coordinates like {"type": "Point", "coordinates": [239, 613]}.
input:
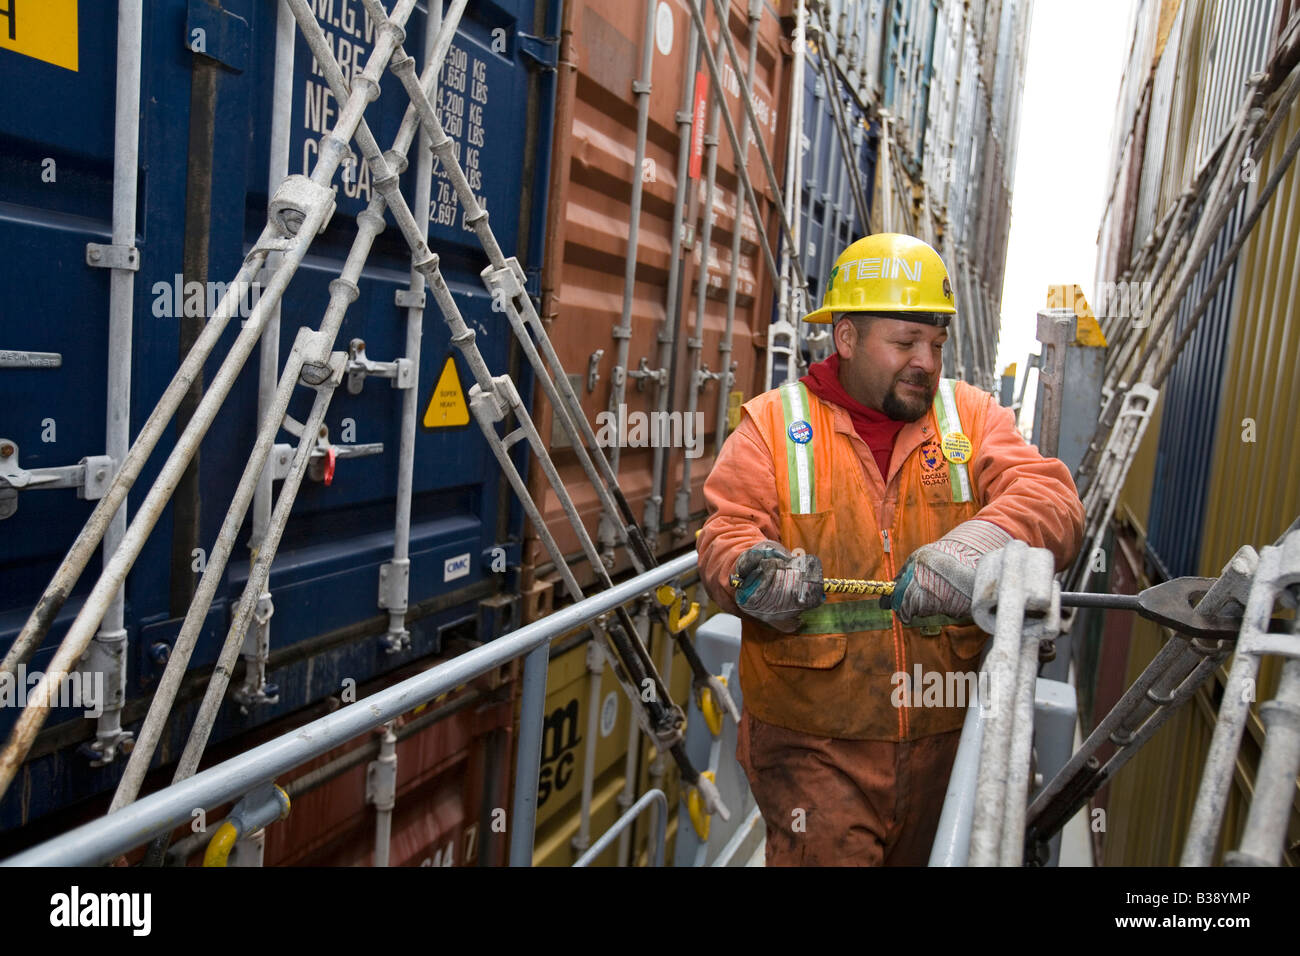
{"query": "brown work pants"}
{"type": "Point", "coordinates": [830, 802]}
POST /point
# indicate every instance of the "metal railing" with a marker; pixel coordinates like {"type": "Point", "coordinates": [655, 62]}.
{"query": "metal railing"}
{"type": "Point", "coordinates": [1018, 601]}
{"type": "Point", "coordinates": [607, 838]}
{"type": "Point", "coordinates": [991, 818]}
{"type": "Point", "coordinates": [164, 811]}
{"type": "Point", "coordinates": [299, 210]}
{"type": "Point", "coordinates": [1276, 581]}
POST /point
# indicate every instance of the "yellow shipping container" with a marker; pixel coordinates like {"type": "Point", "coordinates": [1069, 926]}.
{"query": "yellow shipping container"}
{"type": "Point", "coordinates": [564, 742]}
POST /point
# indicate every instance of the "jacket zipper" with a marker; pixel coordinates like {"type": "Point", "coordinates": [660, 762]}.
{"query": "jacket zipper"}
{"type": "Point", "coordinates": [898, 637]}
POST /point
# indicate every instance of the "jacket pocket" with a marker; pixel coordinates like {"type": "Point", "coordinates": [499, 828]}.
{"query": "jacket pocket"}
{"type": "Point", "coordinates": [966, 642]}
{"type": "Point", "coordinates": [814, 651]}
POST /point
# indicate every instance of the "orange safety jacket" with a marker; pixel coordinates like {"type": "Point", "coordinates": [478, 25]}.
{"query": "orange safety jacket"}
{"type": "Point", "coordinates": [796, 471]}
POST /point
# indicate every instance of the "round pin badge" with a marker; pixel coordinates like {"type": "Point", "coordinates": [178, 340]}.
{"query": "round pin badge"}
{"type": "Point", "coordinates": [956, 448]}
{"type": "Point", "coordinates": [800, 432]}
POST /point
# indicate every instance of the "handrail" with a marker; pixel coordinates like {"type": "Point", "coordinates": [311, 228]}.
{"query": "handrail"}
{"type": "Point", "coordinates": [141, 821]}
{"type": "Point", "coordinates": [661, 829]}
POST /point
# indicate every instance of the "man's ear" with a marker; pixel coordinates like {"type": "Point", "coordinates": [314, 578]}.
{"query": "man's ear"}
{"type": "Point", "coordinates": [845, 336]}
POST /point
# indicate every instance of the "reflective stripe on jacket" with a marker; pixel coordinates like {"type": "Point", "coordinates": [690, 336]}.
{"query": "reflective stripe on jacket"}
{"type": "Point", "coordinates": [839, 675]}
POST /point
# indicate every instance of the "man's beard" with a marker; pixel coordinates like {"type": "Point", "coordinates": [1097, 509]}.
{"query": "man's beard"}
{"type": "Point", "coordinates": [907, 409]}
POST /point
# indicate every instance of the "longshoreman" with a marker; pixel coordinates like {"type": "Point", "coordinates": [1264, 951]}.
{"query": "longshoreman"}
{"type": "Point", "coordinates": [871, 466]}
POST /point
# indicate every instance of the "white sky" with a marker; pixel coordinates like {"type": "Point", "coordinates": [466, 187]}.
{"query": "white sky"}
{"type": "Point", "coordinates": [1076, 54]}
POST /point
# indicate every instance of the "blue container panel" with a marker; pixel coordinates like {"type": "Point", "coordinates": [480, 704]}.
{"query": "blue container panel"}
{"type": "Point", "coordinates": [911, 42]}
{"type": "Point", "coordinates": [1191, 418]}
{"type": "Point", "coordinates": [829, 217]}
{"type": "Point", "coordinates": [56, 172]}
{"type": "Point", "coordinates": [827, 214]}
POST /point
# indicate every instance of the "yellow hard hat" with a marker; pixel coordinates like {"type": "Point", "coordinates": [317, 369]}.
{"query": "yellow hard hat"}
{"type": "Point", "coordinates": [888, 274]}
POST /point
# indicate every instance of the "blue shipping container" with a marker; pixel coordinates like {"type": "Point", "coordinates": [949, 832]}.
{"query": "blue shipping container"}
{"type": "Point", "coordinates": [1191, 417]}
{"type": "Point", "coordinates": [56, 169]}
{"type": "Point", "coordinates": [828, 219]}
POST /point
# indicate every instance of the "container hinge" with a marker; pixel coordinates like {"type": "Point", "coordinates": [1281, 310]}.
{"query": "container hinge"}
{"type": "Point", "coordinates": [105, 256]}
{"type": "Point", "coordinates": [543, 51]}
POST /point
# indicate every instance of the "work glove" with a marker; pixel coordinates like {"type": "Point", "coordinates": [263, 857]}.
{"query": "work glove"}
{"type": "Point", "coordinates": [776, 586]}
{"type": "Point", "coordinates": [939, 578]}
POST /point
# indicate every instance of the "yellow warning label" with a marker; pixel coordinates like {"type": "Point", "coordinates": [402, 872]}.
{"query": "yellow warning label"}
{"type": "Point", "coordinates": [45, 30]}
{"type": "Point", "coordinates": [447, 407]}
{"type": "Point", "coordinates": [734, 401]}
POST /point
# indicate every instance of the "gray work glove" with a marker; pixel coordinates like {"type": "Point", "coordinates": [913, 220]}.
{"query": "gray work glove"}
{"type": "Point", "coordinates": [939, 578]}
{"type": "Point", "coordinates": [776, 586]}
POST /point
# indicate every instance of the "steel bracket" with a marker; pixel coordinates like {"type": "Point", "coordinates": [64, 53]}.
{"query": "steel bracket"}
{"type": "Point", "coordinates": [597, 655]}
{"type": "Point", "coordinates": [99, 472]}
{"type": "Point", "coordinates": [281, 461]}
{"type": "Point", "coordinates": [381, 783]}
{"type": "Point", "coordinates": [593, 369]}
{"type": "Point", "coordinates": [394, 584]}
{"type": "Point", "coordinates": [405, 377]}
{"type": "Point", "coordinates": [409, 298]}
{"type": "Point", "coordinates": [105, 256]}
